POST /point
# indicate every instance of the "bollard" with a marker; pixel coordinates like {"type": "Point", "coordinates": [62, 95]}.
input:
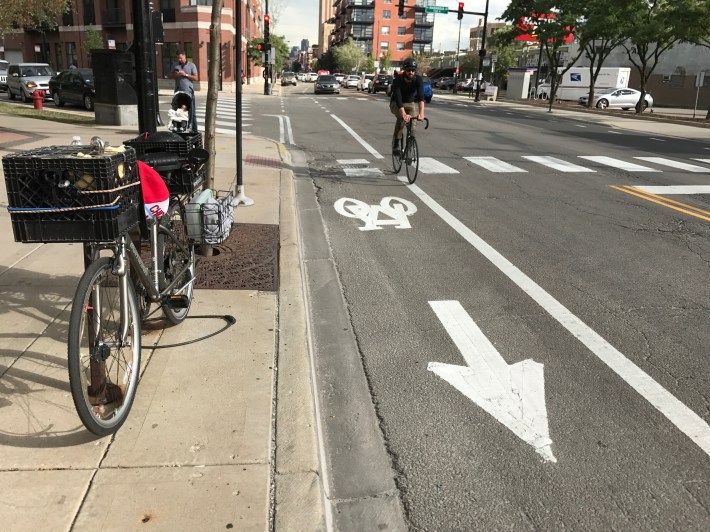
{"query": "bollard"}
{"type": "Point", "coordinates": [38, 98]}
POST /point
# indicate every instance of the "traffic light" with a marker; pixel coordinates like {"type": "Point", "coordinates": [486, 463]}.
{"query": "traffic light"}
{"type": "Point", "coordinates": [267, 19]}
{"type": "Point", "coordinates": [401, 8]}
{"type": "Point", "coordinates": [260, 47]}
{"type": "Point", "coordinates": [460, 15]}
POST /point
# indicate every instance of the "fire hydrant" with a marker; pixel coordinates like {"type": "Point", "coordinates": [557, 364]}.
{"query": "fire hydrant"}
{"type": "Point", "coordinates": [38, 98]}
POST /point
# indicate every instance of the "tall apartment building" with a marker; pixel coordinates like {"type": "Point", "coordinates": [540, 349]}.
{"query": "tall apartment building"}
{"type": "Point", "coordinates": [376, 27]}
{"type": "Point", "coordinates": [326, 13]}
{"type": "Point", "coordinates": [186, 26]}
{"type": "Point", "coordinates": [475, 34]}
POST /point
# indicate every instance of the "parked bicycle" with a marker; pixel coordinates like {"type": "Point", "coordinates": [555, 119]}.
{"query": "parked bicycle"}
{"type": "Point", "coordinates": [59, 194]}
{"type": "Point", "coordinates": [408, 154]}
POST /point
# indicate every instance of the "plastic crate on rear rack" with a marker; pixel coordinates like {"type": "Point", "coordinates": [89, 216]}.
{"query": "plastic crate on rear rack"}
{"type": "Point", "coordinates": [209, 216]}
{"type": "Point", "coordinates": [169, 141]}
{"type": "Point", "coordinates": [55, 195]}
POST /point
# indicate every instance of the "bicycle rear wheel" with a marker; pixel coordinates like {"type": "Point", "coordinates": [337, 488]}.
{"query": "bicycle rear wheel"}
{"type": "Point", "coordinates": [178, 264]}
{"type": "Point", "coordinates": [103, 366]}
{"type": "Point", "coordinates": [397, 158]}
{"type": "Point", "coordinates": [411, 159]}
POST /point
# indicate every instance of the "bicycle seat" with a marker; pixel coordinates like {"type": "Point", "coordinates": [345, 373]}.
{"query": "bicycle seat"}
{"type": "Point", "coordinates": [163, 161]}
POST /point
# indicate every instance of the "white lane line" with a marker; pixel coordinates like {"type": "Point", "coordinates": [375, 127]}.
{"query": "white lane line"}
{"type": "Point", "coordinates": [429, 165]}
{"type": "Point", "coordinates": [657, 140]}
{"type": "Point", "coordinates": [557, 164]}
{"type": "Point", "coordinates": [675, 164]}
{"type": "Point", "coordinates": [362, 172]}
{"type": "Point", "coordinates": [618, 163]}
{"type": "Point", "coordinates": [580, 125]}
{"type": "Point", "coordinates": [494, 165]}
{"type": "Point", "coordinates": [358, 138]}
{"type": "Point", "coordinates": [289, 131]}
{"type": "Point", "coordinates": [676, 189]}
{"type": "Point", "coordinates": [353, 161]}
{"type": "Point", "coordinates": [614, 132]}
{"type": "Point", "coordinates": [703, 160]}
{"type": "Point", "coordinates": [685, 419]}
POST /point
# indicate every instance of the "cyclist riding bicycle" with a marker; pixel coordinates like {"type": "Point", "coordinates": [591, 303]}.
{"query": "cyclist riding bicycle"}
{"type": "Point", "coordinates": [406, 90]}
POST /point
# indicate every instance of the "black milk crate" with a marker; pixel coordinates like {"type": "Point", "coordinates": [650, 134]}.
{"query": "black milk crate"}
{"type": "Point", "coordinates": [56, 196]}
{"type": "Point", "coordinates": [165, 141]}
{"type": "Point", "coordinates": [185, 181]}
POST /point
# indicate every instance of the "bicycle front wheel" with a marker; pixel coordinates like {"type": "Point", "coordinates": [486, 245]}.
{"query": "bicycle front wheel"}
{"type": "Point", "coordinates": [397, 158]}
{"type": "Point", "coordinates": [411, 160]}
{"type": "Point", "coordinates": [104, 365]}
{"type": "Point", "coordinates": [178, 265]}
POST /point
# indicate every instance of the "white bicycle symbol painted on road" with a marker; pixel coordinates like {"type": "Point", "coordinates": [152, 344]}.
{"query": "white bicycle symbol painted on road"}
{"type": "Point", "coordinates": [397, 209]}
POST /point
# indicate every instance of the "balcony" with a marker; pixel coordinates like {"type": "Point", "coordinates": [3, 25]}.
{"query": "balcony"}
{"type": "Point", "coordinates": [423, 36]}
{"type": "Point", "coordinates": [113, 18]}
{"type": "Point", "coordinates": [425, 20]}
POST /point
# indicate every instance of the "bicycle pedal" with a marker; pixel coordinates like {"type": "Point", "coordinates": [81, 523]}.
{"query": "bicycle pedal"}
{"type": "Point", "coordinates": [176, 301]}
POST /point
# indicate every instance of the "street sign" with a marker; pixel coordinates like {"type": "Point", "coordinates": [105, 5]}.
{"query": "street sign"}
{"type": "Point", "coordinates": [699, 79]}
{"type": "Point", "coordinates": [437, 9]}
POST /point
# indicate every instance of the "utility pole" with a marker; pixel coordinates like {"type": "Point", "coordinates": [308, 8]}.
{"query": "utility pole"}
{"type": "Point", "coordinates": [458, 62]}
{"type": "Point", "coordinates": [267, 50]}
{"type": "Point", "coordinates": [481, 55]}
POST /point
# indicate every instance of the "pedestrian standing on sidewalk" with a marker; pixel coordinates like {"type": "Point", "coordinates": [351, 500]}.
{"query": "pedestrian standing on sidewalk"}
{"type": "Point", "coordinates": [185, 74]}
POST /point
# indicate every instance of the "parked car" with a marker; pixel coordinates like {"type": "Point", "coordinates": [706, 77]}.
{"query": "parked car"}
{"type": "Point", "coordinates": [313, 76]}
{"type": "Point", "coordinates": [351, 82]}
{"type": "Point", "coordinates": [288, 78]}
{"type": "Point", "coordinates": [380, 83]}
{"type": "Point", "coordinates": [25, 78]}
{"type": "Point", "coordinates": [617, 98]}
{"type": "Point", "coordinates": [3, 75]}
{"type": "Point", "coordinates": [436, 83]}
{"type": "Point", "coordinates": [364, 83]}
{"type": "Point", "coordinates": [326, 84]}
{"type": "Point", "coordinates": [301, 76]}
{"type": "Point", "coordinates": [465, 85]}
{"type": "Point", "coordinates": [446, 84]}
{"type": "Point", "coordinates": [339, 77]}
{"type": "Point", "coordinates": [75, 86]}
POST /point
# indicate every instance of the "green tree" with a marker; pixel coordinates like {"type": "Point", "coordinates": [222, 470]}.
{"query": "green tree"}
{"type": "Point", "coordinates": [325, 62]}
{"type": "Point", "coordinates": [32, 13]}
{"type": "Point", "coordinates": [423, 62]}
{"type": "Point", "coordinates": [469, 62]}
{"type": "Point", "coordinates": [349, 57]}
{"type": "Point", "coordinates": [93, 40]}
{"type": "Point", "coordinates": [552, 21]}
{"type": "Point", "coordinates": [386, 61]}
{"type": "Point", "coordinates": [651, 28]}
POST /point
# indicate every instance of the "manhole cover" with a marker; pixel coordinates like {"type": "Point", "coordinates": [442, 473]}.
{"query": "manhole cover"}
{"type": "Point", "coordinates": [247, 260]}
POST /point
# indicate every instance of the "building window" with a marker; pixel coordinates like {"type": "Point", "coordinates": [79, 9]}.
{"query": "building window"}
{"type": "Point", "coordinates": [200, 2]}
{"type": "Point", "coordinates": [388, 1]}
{"type": "Point", "coordinates": [187, 47]}
{"type": "Point", "coordinates": [89, 13]}
{"type": "Point", "coordinates": [167, 8]}
{"type": "Point", "coordinates": [401, 30]}
{"type": "Point", "coordinates": [384, 45]}
{"type": "Point", "coordinates": [386, 14]}
{"type": "Point", "coordinates": [170, 50]}
{"type": "Point", "coordinates": [385, 30]}
{"type": "Point", "coordinates": [400, 46]}
{"type": "Point", "coordinates": [58, 57]}
{"type": "Point", "coordinates": [71, 54]}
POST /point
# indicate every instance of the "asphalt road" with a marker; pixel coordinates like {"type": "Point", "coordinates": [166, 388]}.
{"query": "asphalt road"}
{"type": "Point", "coordinates": [492, 265]}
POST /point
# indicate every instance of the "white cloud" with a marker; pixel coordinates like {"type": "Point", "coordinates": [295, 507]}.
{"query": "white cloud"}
{"type": "Point", "coordinates": [298, 19]}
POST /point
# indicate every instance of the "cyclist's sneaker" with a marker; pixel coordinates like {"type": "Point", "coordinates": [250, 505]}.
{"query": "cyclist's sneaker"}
{"type": "Point", "coordinates": [395, 147]}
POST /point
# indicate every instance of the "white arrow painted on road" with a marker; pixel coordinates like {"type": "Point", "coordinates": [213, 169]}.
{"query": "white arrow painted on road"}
{"type": "Point", "coordinates": [514, 395]}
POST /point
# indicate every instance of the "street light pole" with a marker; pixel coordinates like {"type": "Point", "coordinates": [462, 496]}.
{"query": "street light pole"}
{"type": "Point", "coordinates": [481, 55]}
{"type": "Point", "coordinates": [456, 72]}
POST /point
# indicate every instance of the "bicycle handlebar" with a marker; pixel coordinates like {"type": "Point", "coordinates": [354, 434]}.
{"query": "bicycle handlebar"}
{"type": "Point", "coordinates": [426, 121]}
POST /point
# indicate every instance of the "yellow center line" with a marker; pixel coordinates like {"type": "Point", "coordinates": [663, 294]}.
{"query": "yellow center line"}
{"type": "Point", "coordinates": [665, 202]}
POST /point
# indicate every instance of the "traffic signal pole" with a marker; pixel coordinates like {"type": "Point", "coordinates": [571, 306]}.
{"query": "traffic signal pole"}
{"type": "Point", "coordinates": [267, 50]}
{"type": "Point", "coordinates": [481, 55]}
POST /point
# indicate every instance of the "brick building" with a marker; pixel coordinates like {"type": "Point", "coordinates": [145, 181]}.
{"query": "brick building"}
{"type": "Point", "coordinates": [186, 26]}
{"type": "Point", "coordinates": [376, 27]}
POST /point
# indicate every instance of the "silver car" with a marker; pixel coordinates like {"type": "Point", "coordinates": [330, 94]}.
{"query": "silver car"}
{"type": "Point", "coordinates": [617, 98]}
{"type": "Point", "coordinates": [25, 78]}
{"type": "Point", "coordinates": [326, 84]}
{"type": "Point", "coordinates": [3, 75]}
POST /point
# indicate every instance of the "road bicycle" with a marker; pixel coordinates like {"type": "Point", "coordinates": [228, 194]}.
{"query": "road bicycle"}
{"type": "Point", "coordinates": [409, 155]}
{"type": "Point", "coordinates": [113, 297]}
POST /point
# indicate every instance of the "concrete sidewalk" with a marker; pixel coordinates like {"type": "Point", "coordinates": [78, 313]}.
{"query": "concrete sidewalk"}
{"type": "Point", "coordinates": [222, 432]}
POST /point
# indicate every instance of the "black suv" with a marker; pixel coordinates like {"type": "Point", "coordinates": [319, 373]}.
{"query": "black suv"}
{"type": "Point", "coordinates": [380, 83]}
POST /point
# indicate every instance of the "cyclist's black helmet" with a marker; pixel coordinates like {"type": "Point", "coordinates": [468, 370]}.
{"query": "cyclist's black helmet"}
{"type": "Point", "coordinates": [409, 63]}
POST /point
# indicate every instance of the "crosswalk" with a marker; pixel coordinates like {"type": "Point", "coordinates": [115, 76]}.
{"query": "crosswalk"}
{"type": "Point", "coordinates": [226, 116]}
{"type": "Point", "coordinates": [529, 163]}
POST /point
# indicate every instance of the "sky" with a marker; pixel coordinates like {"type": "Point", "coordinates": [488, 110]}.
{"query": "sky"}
{"type": "Point", "coordinates": [298, 19]}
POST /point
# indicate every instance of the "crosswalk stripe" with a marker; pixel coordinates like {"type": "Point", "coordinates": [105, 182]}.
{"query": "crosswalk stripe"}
{"type": "Point", "coordinates": [676, 189]}
{"type": "Point", "coordinates": [428, 165]}
{"type": "Point", "coordinates": [675, 164]}
{"type": "Point", "coordinates": [618, 163]}
{"type": "Point", "coordinates": [362, 172]}
{"type": "Point", "coordinates": [494, 165]}
{"type": "Point", "coordinates": [702, 160]}
{"type": "Point", "coordinates": [557, 164]}
{"type": "Point", "coordinates": [353, 161]}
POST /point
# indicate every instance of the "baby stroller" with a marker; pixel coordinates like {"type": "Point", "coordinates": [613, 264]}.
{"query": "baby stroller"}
{"type": "Point", "coordinates": [180, 115]}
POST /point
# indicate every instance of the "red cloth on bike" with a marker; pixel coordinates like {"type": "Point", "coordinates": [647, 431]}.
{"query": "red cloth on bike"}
{"type": "Point", "coordinates": [156, 197]}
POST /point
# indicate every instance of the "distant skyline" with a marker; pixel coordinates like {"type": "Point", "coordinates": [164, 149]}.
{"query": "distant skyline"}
{"type": "Point", "coordinates": [298, 19]}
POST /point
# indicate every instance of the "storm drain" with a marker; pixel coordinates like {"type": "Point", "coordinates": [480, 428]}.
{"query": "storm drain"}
{"type": "Point", "coordinates": [247, 260]}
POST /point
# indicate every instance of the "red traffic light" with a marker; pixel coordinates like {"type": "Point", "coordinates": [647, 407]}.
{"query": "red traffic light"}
{"type": "Point", "coordinates": [259, 47]}
{"type": "Point", "coordinates": [460, 13]}
{"type": "Point", "coordinates": [267, 18]}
